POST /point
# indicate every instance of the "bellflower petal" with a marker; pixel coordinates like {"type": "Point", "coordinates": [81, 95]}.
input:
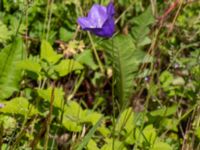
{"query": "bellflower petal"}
{"type": "Point", "coordinates": [107, 30]}
{"type": "Point", "coordinates": [111, 9]}
{"type": "Point", "coordinates": [100, 20]}
{"type": "Point", "coordinates": [98, 14]}
{"type": "Point", "coordinates": [86, 23]}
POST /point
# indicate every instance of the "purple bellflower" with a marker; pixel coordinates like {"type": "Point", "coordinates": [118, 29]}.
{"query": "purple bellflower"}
{"type": "Point", "coordinates": [100, 20]}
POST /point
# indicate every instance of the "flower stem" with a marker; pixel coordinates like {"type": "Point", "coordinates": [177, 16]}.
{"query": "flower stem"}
{"type": "Point", "coordinates": [95, 53]}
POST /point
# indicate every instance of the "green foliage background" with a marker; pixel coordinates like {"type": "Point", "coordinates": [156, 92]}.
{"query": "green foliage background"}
{"type": "Point", "coordinates": [64, 88]}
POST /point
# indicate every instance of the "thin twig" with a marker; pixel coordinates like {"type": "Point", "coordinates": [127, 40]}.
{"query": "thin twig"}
{"type": "Point", "coordinates": [49, 117]}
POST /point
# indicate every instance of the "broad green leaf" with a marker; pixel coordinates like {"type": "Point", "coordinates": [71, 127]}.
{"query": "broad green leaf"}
{"type": "Point", "coordinates": [140, 35]}
{"type": "Point", "coordinates": [147, 135]}
{"type": "Point", "coordinates": [65, 35]}
{"type": "Point", "coordinates": [92, 145]}
{"type": "Point", "coordinates": [126, 59]}
{"type": "Point", "coordinates": [71, 125]}
{"type": "Point", "coordinates": [19, 105]}
{"type": "Point", "coordinates": [117, 145]}
{"type": "Point", "coordinates": [125, 121]}
{"type": "Point", "coordinates": [10, 75]}
{"type": "Point", "coordinates": [130, 139]}
{"type": "Point", "coordinates": [141, 30]}
{"type": "Point", "coordinates": [165, 111]}
{"type": "Point", "coordinates": [5, 34]}
{"type": "Point", "coordinates": [104, 131]}
{"type": "Point", "coordinates": [30, 65]}
{"type": "Point", "coordinates": [197, 132]}
{"type": "Point", "coordinates": [9, 124]}
{"type": "Point", "coordinates": [67, 66]}
{"type": "Point", "coordinates": [89, 135]}
{"type": "Point", "coordinates": [73, 114]}
{"type": "Point", "coordinates": [58, 96]}
{"type": "Point", "coordinates": [91, 116]}
{"type": "Point", "coordinates": [166, 79]}
{"type": "Point", "coordinates": [145, 19]}
{"type": "Point", "coordinates": [161, 146]}
{"type": "Point", "coordinates": [86, 58]}
{"type": "Point", "coordinates": [169, 124]}
{"type": "Point", "coordinates": [47, 53]}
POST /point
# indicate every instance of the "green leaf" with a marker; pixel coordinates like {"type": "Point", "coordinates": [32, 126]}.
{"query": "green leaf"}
{"type": "Point", "coordinates": [148, 135]}
{"type": "Point", "coordinates": [110, 146]}
{"type": "Point", "coordinates": [145, 19]}
{"type": "Point", "coordinates": [125, 121]}
{"type": "Point", "coordinates": [166, 79]}
{"type": "Point", "coordinates": [104, 131]}
{"type": "Point", "coordinates": [73, 114]}
{"type": "Point", "coordinates": [67, 66]}
{"type": "Point", "coordinates": [197, 132]}
{"type": "Point", "coordinates": [161, 146]}
{"type": "Point", "coordinates": [141, 30]}
{"type": "Point", "coordinates": [65, 35]}
{"type": "Point", "coordinates": [58, 96]}
{"type": "Point", "coordinates": [165, 111]}
{"type": "Point", "coordinates": [19, 105]}
{"type": "Point", "coordinates": [91, 116]}
{"type": "Point", "coordinates": [10, 75]}
{"type": "Point", "coordinates": [47, 53]}
{"type": "Point", "coordinates": [125, 58]}
{"type": "Point", "coordinates": [9, 124]}
{"type": "Point", "coordinates": [86, 58]}
{"type": "Point", "coordinates": [30, 65]}
{"type": "Point", "coordinates": [92, 145]}
{"type": "Point", "coordinates": [89, 135]}
{"type": "Point", "coordinates": [5, 34]}
{"type": "Point", "coordinates": [169, 124]}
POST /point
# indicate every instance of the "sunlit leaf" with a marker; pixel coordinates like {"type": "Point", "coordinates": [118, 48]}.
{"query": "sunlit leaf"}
{"type": "Point", "coordinates": [10, 75]}
{"type": "Point", "coordinates": [47, 53]}
{"type": "Point", "coordinates": [58, 96]}
{"type": "Point", "coordinates": [19, 105]}
{"type": "Point", "coordinates": [67, 66]}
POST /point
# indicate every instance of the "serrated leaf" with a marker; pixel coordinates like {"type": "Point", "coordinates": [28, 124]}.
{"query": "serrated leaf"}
{"type": "Point", "coordinates": [166, 79]}
{"type": "Point", "coordinates": [30, 65]}
{"type": "Point", "coordinates": [5, 34]}
{"type": "Point", "coordinates": [165, 111]}
{"type": "Point", "coordinates": [86, 58]}
{"type": "Point", "coordinates": [67, 66]}
{"type": "Point", "coordinates": [65, 35]}
{"type": "Point", "coordinates": [47, 53]}
{"type": "Point", "coordinates": [19, 105]}
{"type": "Point", "coordinates": [125, 121]}
{"type": "Point", "coordinates": [126, 59]}
{"type": "Point", "coordinates": [73, 114]}
{"type": "Point", "coordinates": [9, 124]}
{"type": "Point", "coordinates": [145, 19]}
{"type": "Point", "coordinates": [10, 75]}
{"type": "Point", "coordinates": [75, 117]}
{"type": "Point", "coordinates": [141, 29]}
{"type": "Point", "coordinates": [91, 116]}
{"type": "Point", "coordinates": [58, 95]}
{"type": "Point", "coordinates": [161, 146]}
{"type": "Point", "coordinates": [89, 135]}
{"type": "Point", "coordinates": [92, 145]}
{"type": "Point", "coordinates": [118, 145]}
{"type": "Point", "coordinates": [147, 135]}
